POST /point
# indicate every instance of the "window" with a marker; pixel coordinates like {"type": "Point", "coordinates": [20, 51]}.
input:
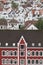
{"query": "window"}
{"type": "Point", "coordinates": [22, 62]}
{"type": "Point", "coordinates": [32, 61]}
{"type": "Point", "coordinates": [40, 61]}
{"type": "Point", "coordinates": [3, 52]}
{"type": "Point", "coordinates": [10, 53]}
{"type": "Point", "coordinates": [22, 53]}
{"type": "Point", "coordinates": [37, 53]}
{"type": "Point", "coordinates": [11, 61]}
{"type": "Point", "coordinates": [39, 44]}
{"type": "Point", "coordinates": [15, 52]}
{"type": "Point", "coordinates": [33, 44]}
{"type": "Point", "coordinates": [6, 44]}
{"type": "Point", "coordinates": [13, 44]}
{"type": "Point", "coordinates": [14, 61]}
{"type": "Point", "coordinates": [36, 61]}
{"type": "Point", "coordinates": [22, 46]}
{"type": "Point", "coordinates": [28, 61]}
{"type": "Point", "coordinates": [4, 61]}
{"type": "Point", "coordinates": [33, 53]}
{"type": "Point", "coordinates": [40, 53]}
{"type": "Point", "coordinates": [28, 53]}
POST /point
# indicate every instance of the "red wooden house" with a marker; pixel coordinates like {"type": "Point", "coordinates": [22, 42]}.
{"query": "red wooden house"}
{"type": "Point", "coordinates": [21, 48]}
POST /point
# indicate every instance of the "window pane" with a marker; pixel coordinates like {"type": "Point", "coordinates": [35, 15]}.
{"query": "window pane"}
{"type": "Point", "coordinates": [28, 61]}
{"type": "Point", "coordinates": [15, 62]}
{"type": "Point", "coordinates": [32, 53]}
{"type": "Point", "coordinates": [28, 53]}
{"type": "Point", "coordinates": [3, 53]}
{"type": "Point", "coordinates": [15, 53]}
{"type": "Point", "coordinates": [11, 53]}
{"type": "Point", "coordinates": [22, 61]}
{"type": "Point", "coordinates": [37, 53]}
{"type": "Point", "coordinates": [40, 61]}
{"type": "Point", "coordinates": [36, 61]}
{"type": "Point", "coordinates": [41, 53]}
{"type": "Point", "coordinates": [32, 61]}
{"type": "Point", "coordinates": [11, 61]}
{"type": "Point", "coordinates": [22, 53]}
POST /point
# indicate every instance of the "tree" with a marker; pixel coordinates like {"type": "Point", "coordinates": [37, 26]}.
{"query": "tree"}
{"type": "Point", "coordinates": [14, 5]}
{"type": "Point", "coordinates": [39, 24]}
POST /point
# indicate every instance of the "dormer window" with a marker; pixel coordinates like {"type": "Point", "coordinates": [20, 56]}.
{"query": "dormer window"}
{"type": "Point", "coordinates": [33, 44]}
{"type": "Point", "coordinates": [39, 44]}
{"type": "Point", "coordinates": [6, 44]}
{"type": "Point", "coordinates": [13, 44]}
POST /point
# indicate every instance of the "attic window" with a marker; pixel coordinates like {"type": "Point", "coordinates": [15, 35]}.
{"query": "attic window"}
{"type": "Point", "coordinates": [13, 44]}
{"type": "Point", "coordinates": [39, 44]}
{"type": "Point", "coordinates": [6, 44]}
{"type": "Point", "coordinates": [33, 44]}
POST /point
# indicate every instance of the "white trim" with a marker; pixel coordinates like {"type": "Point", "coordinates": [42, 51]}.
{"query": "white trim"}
{"type": "Point", "coordinates": [34, 47]}
{"type": "Point", "coordinates": [9, 47]}
{"type": "Point", "coordinates": [21, 39]}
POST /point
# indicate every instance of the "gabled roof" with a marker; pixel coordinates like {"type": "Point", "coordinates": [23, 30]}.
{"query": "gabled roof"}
{"type": "Point", "coordinates": [30, 37]}
{"type": "Point", "coordinates": [31, 27]}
